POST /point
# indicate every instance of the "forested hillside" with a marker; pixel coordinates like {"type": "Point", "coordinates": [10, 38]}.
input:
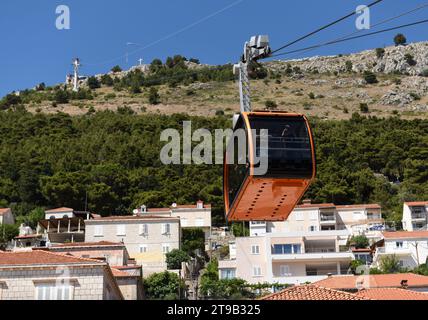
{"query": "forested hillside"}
{"type": "Point", "coordinates": [54, 160]}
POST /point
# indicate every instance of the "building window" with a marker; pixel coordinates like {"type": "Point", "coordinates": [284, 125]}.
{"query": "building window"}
{"type": "Point", "coordinates": [284, 271]}
{"type": "Point", "coordinates": [166, 229]}
{"type": "Point", "coordinates": [313, 228]}
{"type": "Point", "coordinates": [228, 274]}
{"type": "Point", "coordinates": [144, 229]}
{"type": "Point", "coordinates": [166, 248]}
{"type": "Point", "coordinates": [287, 249]}
{"type": "Point", "coordinates": [99, 231]}
{"type": "Point", "coordinates": [300, 216]}
{"type": "Point", "coordinates": [257, 271]}
{"type": "Point", "coordinates": [255, 249]}
{"type": "Point", "coordinates": [399, 245]}
{"type": "Point", "coordinates": [50, 291]}
{"type": "Point", "coordinates": [121, 230]}
{"type": "Point", "coordinates": [143, 248]}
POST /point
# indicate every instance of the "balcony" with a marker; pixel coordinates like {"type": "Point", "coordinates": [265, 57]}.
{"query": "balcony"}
{"type": "Point", "coordinates": [419, 216]}
{"type": "Point", "coordinates": [311, 256]}
{"type": "Point", "coordinates": [328, 219]}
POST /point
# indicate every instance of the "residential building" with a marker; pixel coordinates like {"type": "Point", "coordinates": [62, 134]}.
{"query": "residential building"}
{"type": "Point", "coordinates": [289, 258]}
{"type": "Point", "coordinates": [148, 238]}
{"type": "Point", "coordinates": [353, 283]}
{"type": "Point", "coordinates": [410, 247]}
{"type": "Point", "coordinates": [191, 216]}
{"type": "Point", "coordinates": [42, 275]}
{"type": "Point", "coordinates": [357, 219]}
{"type": "Point", "coordinates": [128, 274]}
{"type": "Point", "coordinates": [415, 216]}
{"type": "Point", "coordinates": [63, 225]}
{"type": "Point", "coordinates": [6, 216]}
{"type": "Point", "coordinates": [313, 292]}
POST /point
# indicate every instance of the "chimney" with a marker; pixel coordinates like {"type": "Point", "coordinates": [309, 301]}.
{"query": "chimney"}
{"type": "Point", "coordinates": [200, 204]}
{"type": "Point", "coordinates": [404, 284]}
{"type": "Point", "coordinates": [307, 201]}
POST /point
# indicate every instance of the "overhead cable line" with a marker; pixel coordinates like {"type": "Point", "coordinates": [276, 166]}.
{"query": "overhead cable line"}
{"type": "Point", "coordinates": [323, 28]}
{"type": "Point", "coordinates": [352, 38]}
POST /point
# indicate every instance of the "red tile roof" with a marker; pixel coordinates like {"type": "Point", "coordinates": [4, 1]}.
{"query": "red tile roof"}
{"type": "Point", "coordinates": [417, 203]}
{"type": "Point", "coordinates": [320, 205]}
{"type": "Point", "coordinates": [63, 209]}
{"type": "Point", "coordinates": [88, 244]}
{"type": "Point", "coordinates": [392, 294]}
{"type": "Point", "coordinates": [28, 236]}
{"type": "Point", "coordinates": [313, 292]}
{"type": "Point", "coordinates": [374, 281]}
{"type": "Point", "coordinates": [34, 258]}
{"type": "Point", "coordinates": [121, 218]}
{"type": "Point", "coordinates": [3, 211]}
{"type": "Point", "coordinates": [405, 235]}
{"type": "Point", "coordinates": [360, 206]}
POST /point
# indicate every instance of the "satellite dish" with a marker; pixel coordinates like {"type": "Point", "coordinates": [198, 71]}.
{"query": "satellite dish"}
{"type": "Point", "coordinates": [135, 211]}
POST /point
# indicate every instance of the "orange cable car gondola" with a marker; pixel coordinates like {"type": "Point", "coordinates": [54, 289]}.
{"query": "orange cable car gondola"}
{"type": "Point", "coordinates": [291, 166]}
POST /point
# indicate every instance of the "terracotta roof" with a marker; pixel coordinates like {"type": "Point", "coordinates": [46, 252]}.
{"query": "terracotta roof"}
{"type": "Point", "coordinates": [158, 210]}
{"type": "Point", "coordinates": [405, 235]}
{"type": "Point", "coordinates": [29, 236]}
{"type": "Point", "coordinates": [3, 211]}
{"type": "Point", "coordinates": [319, 205]}
{"type": "Point", "coordinates": [313, 292]}
{"type": "Point", "coordinates": [122, 274]}
{"type": "Point", "coordinates": [119, 218]}
{"type": "Point", "coordinates": [374, 281]}
{"type": "Point", "coordinates": [417, 203]}
{"type": "Point", "coordinates": [88, 244]}
{"type": "Point", "coordinates": [34, 258]}
{"type": "Point", "coordinates": [360, 206]}
{"type": "Point", "coordinates": [63, 209]}
{"type": "Point", "coordinates": [392, 294]}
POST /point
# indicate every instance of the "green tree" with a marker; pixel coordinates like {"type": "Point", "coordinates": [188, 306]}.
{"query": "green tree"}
{"type": "Point", "coordinates": [7, 233]}
{"type": "Point", "coordinates": [116, 69]}
{"type": "Point", "coordinates": [364, 107]}
{"type": "Point", "coordinates": [107, 80]}
{"type": "Point", "coordinates": [154, 97]}
{"type": "Point", "coordinates": [380, 53]}
{"type": "Point", "coordinates": [271, 105]}
{"type": "Point", "coordinates": [360, 242]}
{"type": "Point", "coordinates": [164, 286]}
{"type": "Point", "coordinates": [370, 77]}
{"type": "Point", "coordinates": [61, 96]}
{"type": "Point", "coordinates": [400, 39]}
{"type": "Point", "coordinates": [390, 264]}
{"type": "Point", "coordinates": [93, 83]}
{"type": "Point", "coordinates": [10, 100]}
{"type": "Point", "coordinates": [354, 266]}
{"type": "Point", "coordinates": [193, 239]}
{"type": "Point", "coordinates": [175, 258]}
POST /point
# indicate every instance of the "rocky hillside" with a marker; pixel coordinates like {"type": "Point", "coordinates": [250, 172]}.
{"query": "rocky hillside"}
{"type": "Point", "coordinates": [380, 82]}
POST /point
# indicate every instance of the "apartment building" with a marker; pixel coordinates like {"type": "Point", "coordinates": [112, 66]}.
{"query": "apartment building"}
{"type": "Point", "coordinates": [62, 225]}
{"type": "Point", "coordinates": [410, 247]}
{"type": "Point", "coordinates": [289, 258]}
{"type": "Point", "coordinates": [42, 275]}
{"type": "Point", "coordinates": [6, 216]}
{"type": "Point", "coordinates": [191, 216]}
{"type": "Point", "coordinates": [356, 219]}
{"type": "Point", "coordinates": [415, 216]}
{"type": "Point", "coordinates": [148, 238]}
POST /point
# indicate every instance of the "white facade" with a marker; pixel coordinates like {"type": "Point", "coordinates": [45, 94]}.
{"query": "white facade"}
{"type": "Point", "coordinates": [59, 213]}
{"type": "Point", "coordinates": [148, 239]}
{"type": "Point", "coordinates": [357, 220]}
{"type": "Point", "coordinates": [410, 248]}
{"type": "Point", "coordinates": [6, 216]}
{"type": "Point", "coordinates": [191, 216]}
{"type": "Point", "coordinates": [289, 258]}
{"type": "Point", "coordinates": [415, 216]}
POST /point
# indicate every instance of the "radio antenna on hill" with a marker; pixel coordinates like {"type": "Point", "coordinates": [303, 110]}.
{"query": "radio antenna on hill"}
{"type": "Point", "coordinates": [76, 65]}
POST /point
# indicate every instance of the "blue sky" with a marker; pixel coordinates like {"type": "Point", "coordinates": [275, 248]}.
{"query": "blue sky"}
{"type": "Point", "coordinates": [32, 49]}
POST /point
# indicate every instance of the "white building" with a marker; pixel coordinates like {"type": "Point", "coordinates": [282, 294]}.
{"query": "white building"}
{"type": "Point", "coordinates": [356, 219]}
{"type": "Point", "coordinates": [289, 258]}
{"type": "Point", "coordinates": [415, 216]}
{"type": "Point", "coordinates": [147, 238]}
{"type": "Point", "coordinates": [410, 247]}
{"type": "Point", "coordinates": [6, 216]}
{"type": "Point", "coordinates": [191, 216]}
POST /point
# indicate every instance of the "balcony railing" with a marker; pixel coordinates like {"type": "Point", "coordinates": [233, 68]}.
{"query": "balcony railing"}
{"type": "Point", "coordinates": [323, 272]}
{"type": "Point", "coordinates": [374, 217]}
{"type": "Point", "coordinates": [325, 218]}
{"type": "Point", "coordinates": [419, 216]}
{"type": "Point", "coordinates": [320, 250]}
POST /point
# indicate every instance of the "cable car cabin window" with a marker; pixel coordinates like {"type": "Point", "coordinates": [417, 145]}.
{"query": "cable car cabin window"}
{"type": "Point", "coordinates": [237, 162]}
{"type": "Point", "coordinates": [289, 146]}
